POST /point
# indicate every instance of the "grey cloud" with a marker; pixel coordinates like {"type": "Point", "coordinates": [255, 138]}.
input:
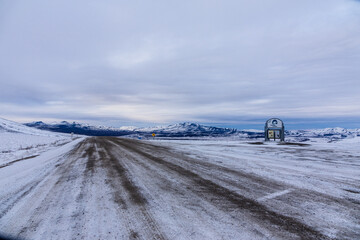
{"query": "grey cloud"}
{"type": "Point", "coordinates": [204, 58]}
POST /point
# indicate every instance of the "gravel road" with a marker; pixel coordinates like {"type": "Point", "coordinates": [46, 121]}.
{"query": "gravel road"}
{"type": "Point", "coordinates": [114, 188]}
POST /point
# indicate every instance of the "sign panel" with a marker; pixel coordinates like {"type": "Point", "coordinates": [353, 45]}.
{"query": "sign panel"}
{"type": "Point", "coordinates": [277, 134]}
{"type": "Point", "coordinates": [274, 123]}
{"type": "Point", "coordinates": [270, 134]}
{"type": "Point", "coordinates": [153, 134]}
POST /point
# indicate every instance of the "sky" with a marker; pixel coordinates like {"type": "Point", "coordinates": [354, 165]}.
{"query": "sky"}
{"type": "Point", "coordinates": [233, 63]}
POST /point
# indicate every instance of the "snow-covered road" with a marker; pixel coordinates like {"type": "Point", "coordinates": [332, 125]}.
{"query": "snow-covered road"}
{"type": "Point", "coordinates": [113, 188]}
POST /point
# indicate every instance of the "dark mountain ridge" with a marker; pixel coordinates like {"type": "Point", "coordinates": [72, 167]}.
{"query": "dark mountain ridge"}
{"type": "Point", "coordinates": [176, 130]}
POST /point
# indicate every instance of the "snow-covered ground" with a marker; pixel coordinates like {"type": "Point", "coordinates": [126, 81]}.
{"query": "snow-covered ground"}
{"type": "Point", "coordinates": [18, 141]}
{"type": "Point", "coordinates": [328, 167]}
{"type": "Point", "coordinates": [330, 171]}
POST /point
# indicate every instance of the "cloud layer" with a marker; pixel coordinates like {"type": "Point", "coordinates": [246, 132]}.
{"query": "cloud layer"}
{"type": "Point", "coordinates": [170, 61]}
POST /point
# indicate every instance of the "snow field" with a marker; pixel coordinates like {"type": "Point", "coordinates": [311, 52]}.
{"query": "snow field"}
{"type": "Point", "coordinates": [18, 141]}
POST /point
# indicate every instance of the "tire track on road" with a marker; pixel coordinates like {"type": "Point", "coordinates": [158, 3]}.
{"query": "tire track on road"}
{"type": "Point", "coordinates": [22, 192]}
{"type": "Point", "coordinates": [54, 189]}
{"type": "Point", "coordinates": [135, 203]}
{"type": "Point", "coordinates": [10, 202]}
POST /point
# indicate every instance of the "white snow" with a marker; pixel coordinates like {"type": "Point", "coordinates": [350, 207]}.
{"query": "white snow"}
{"type": "Point", "coordinates": [274, 195]}
{"type": "Point", "coordinates": [18, 141]}
{"type": "Point", "coordinates": [14, 127]}
{"type": "Point", "coordinates": [128, 128]}
{"type": "Point", "coordinates": [327, 167]}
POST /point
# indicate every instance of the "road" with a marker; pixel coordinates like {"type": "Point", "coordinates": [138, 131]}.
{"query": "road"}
{"type": "Point", "coordinates": [115, 188]}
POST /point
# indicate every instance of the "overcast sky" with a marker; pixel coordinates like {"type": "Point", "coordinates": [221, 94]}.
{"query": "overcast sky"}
{"type": "Point", "coordinates": [134, 62]}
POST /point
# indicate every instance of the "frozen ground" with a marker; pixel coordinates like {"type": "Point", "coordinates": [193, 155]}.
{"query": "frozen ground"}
{"type": "Point", "coordinates": [18, 141]}
{"type": "Point", "coordinates": [330, 168]}
{"type": "Point", "coordinates": [114, 188]}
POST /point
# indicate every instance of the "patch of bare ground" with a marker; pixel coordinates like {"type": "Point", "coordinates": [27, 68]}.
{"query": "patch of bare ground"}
{"type": "Point", "coordinates": [294, 144]}
{"type": "Point", "coordinates": [117, 171]}
{"type": "Point", "coordinates": [134, 235]}
{"type": "Point", "coordinates": [256, 143]}
{"type": "Point", "coordinates": [89, 153]}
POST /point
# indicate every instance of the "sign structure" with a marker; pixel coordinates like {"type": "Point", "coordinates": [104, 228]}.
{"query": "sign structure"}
{"type": "Point", "coordinates": [274, 129]}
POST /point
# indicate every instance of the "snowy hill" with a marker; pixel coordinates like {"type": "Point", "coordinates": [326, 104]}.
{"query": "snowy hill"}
{"type": "Point", "coordinates": [14, 127]}
{"type": "Point", "coordinates": [18, 141]}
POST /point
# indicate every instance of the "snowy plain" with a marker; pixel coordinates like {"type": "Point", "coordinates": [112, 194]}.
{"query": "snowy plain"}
{"type": "Point", "coordinates": [307, 165]}
{"type": "Point", "coordinates": [329, 169]}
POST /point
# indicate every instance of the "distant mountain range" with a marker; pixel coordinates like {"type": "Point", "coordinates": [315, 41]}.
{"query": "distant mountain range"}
{"type": "Point", "coordinates": [79, 128]}
{"type": "Point", "coordinates": [187, 129]}
{"type": "Point", "coordinates": [327, 133]}
{"type": "Point", "coordinates": [175, 130]}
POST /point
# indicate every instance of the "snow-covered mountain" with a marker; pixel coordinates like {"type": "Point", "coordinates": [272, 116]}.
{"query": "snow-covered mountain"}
{"type": "Point", "coordinates": [175, 130]}
{"type": "Point", "coordinates": [79, 128]}
{"type": "Point", "coordinates": [327, 133]}
{"type": "Point", "coordinates": [188, 129]}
